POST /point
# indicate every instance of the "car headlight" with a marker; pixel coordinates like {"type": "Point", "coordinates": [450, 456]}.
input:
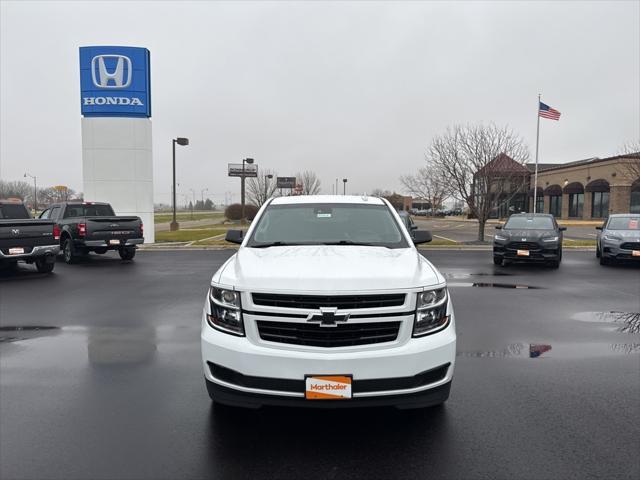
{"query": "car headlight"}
{"type": "Point", "coordinates": [226, 312]}
{"type": "Point", "coordinates": [500, 238]}
{"type": "Point", "coordinates": [550, 239]}
{"type": "Point", "coordinates": [431, 312]}
{"type": "Point", "coordinates": [610, 237]}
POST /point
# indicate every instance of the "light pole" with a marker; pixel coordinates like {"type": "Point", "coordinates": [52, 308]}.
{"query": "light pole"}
{"type": "Point", "coordinates": [173, 226]}
{"type": "Point", "coordinates": [344, 186]}
{"type": "Point", "coordinates": [249, 161]}
{"type": "Point", "coordinates": [193, 195]}
{"type": "Point", "coordinates": [35, 193]}
{"type": "Point", "coordinates": [266, 185]}
{"type": "Point", "coordinates": [202, 196]}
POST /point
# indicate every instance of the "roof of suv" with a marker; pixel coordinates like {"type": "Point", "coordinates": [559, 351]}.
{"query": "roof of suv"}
{"type": "Point", "coordinates": [531, 215]}
{"type": "Point", "coordinates": [302, 199]}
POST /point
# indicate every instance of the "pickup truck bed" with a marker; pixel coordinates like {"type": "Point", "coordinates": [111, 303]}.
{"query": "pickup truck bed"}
{"type": "Point", "coordinates": [25, 239]}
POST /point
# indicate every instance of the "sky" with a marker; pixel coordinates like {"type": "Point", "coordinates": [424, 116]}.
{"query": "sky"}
{"type": "Point", "coordinates": [352, 90]}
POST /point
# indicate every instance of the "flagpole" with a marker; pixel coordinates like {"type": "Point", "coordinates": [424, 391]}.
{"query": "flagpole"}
{"type": "Point", "coordinates": [535, 181]}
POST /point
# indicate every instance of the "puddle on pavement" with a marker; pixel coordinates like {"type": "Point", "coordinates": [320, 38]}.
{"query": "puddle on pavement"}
{"type": "Point", "coordinates": [626, 322]}
{"type": "Point", "coordinates": [463, 275]}
{"type": "Point", "coordinates": [493, 285]}
{"type": "Point", "coordinates": [558, 350]}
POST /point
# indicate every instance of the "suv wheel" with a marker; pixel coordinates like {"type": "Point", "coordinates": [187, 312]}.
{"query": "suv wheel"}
{"type": "Point", "coordinates": [604, 260]}
{"type": "Point", "coordinates": [127, 253]}
{"type": "Point", "coordinates": [598, 254]}
{"type": "Point", "coordinates": [497, 260]}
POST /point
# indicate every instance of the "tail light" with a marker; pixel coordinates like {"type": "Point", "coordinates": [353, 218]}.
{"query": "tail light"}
{"type": "Point", "coordinates": [56, 232]}
{"type": "Point", "coordinates": [82, 229]}
{"type": "Point", "coordinates": [142, 228]}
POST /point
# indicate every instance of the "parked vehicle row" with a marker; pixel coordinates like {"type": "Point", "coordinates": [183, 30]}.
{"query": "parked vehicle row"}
{"type": "Point", "coordinates": [71, 228]}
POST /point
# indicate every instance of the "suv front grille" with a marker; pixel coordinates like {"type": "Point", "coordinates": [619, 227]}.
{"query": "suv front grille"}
{"type": "Point", "coordinates": [630, 246]}
{"type": "Point", "coordinates": [524, 245]}
{"type": "Point", "coordinates": [343, 335]}
{"type": "Point", "coordinates": [343, 302]}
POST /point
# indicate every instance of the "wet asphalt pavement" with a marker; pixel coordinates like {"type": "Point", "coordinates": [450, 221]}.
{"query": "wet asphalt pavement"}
{"type": "Point", "coordinates": [544, 387]}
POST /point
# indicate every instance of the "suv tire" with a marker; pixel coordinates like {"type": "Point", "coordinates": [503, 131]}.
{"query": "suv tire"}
{"type": "Point", "coordinates": [44, 265]}
{"type": "Point", "coordinates": [69, 252]}
{"type": "Point", "coordinates": [127, 253]}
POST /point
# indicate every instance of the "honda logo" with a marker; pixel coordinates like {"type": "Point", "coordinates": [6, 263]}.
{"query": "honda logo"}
{"type": "Point", "coordinates": [327, 317]}
{"type": "Point", "coordinates": [118, 77]}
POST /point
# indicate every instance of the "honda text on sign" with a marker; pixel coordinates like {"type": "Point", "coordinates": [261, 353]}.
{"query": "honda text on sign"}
{"type": "Point", "coordinates": [115, 81]}
{"type": "Point", "coordinates": [328, 303]}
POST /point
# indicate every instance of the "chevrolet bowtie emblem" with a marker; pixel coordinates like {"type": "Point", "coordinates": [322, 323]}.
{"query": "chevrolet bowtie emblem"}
{"type": "Point", "coordinates": [327, 317]}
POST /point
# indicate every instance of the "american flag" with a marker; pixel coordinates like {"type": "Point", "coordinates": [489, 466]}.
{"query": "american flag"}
{"type": "Point", "coordinates": [545, 111]}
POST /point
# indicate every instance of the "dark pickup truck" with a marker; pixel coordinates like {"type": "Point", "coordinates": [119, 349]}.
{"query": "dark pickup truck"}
{"type": "Point", "coordinates": [93, 227]}
{"type": "Point", "coordinates": [23, 239]}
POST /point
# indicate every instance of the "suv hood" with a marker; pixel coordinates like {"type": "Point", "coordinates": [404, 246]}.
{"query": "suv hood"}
{"type": "Point", "coordinates": [530, 235]}
{"type": "Point", "coordinates": [316, 268]}
{"type": "Point", "coordinates": [624, 234]}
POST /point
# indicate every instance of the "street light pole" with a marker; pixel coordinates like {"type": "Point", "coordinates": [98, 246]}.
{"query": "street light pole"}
{"type": "Point", "coordinates": [180, 141]}
{"type": "Point", "coordinates": [266, 184]}
{"type": "Point", "coordinates": [202, 196]}
{"type": "Point", "coordinates": [35, 193]}
{"type": "Point", "coordinates": [344, 186]}
{"type": "Point", "coordinates": [248, 161]}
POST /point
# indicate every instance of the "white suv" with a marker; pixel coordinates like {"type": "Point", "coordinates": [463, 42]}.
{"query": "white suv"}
{"type": "Point", "coordinates": [328, 303]}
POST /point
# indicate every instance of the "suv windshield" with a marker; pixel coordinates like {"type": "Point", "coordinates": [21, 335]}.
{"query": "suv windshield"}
{"type": "Point", "coordinates": [624, 223]}
{"type": "Point", "coordinates": [88, 211]}
{"type": "Point", "coordinates": [332, 224]}
{"type": "Point", "coordinates": [530, 223]}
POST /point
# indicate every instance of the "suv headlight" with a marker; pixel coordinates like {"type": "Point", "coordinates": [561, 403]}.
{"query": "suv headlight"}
{"type": "Point", "coordinates": [431, 312]}
{"type": "Point", "coordinates": [500, 238]}
{"type": "Point", "coordinates": [550, 239]}
{"type": "Point", "coordinates": [610, 237]}
{"type": "Point", "coordinates": [226, 312]}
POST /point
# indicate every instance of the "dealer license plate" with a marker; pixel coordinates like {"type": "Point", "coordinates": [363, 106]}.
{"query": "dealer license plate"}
{"type": "Point", "coordinates": [635, 253]}
{"type": "Point", "coordinates": [328, 387]}
{"type": "Point", "coordinates": [523, 253]}
{"type": "Point", "coordinates": [16, 251]}
{"type": "Point", "coordinates": [114, 242]}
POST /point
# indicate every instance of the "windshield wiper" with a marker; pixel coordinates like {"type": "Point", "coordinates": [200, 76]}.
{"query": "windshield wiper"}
{"type": "Point", "coordinates": [351, 242]}
{"type": "Point", "coordinates": [273, 244]}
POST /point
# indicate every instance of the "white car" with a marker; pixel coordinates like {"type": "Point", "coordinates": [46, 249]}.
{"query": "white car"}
{"type": "Point", "coordinates": [328, 303]}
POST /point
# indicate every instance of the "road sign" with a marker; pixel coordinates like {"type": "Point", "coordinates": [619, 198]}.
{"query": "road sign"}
{"type": "Point", "coordinates": [250, 170]}
{"type": "Point", "coordinates": [286, 182]}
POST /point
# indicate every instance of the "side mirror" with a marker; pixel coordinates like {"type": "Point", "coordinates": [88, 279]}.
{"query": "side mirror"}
{"type": "Point", "coordinates": [234, 236]}
{"type": "Point", "coordinates": [599, 228]}
{"type": "Point", "coordinates": [421, 236]}
{"type": "Point", "coordinates": [498, 227]}
{"type": "Point", "coordinates": [414, 226]}
{"type": "Point", "coordinates": [562, 229]}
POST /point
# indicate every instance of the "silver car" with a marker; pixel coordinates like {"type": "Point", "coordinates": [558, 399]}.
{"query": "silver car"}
{"type": "Point", "coordinates": [619, 238]}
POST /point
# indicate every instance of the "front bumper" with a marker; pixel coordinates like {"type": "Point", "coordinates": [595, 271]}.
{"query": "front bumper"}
{"type": "Point", "coordinates": [613, 251]}
{"type": "Point", "coordinates": [287, 365]}
{"type": "Point", "coordinates": [36, 252]}
{"type": "Point", "coordinates": [541, 253]}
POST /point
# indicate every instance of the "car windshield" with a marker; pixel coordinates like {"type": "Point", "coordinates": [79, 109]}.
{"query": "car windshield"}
{"type": "Point", "coordinates": [81, 210]}
{"type": "Point", "coordinates": [624, 223]}
{"type": "Point", "coordinates": [17, 211]}
{"type": "Point", "coordinates": [322, 224]}
{"type": "Point", "coordinates": [530, 223]}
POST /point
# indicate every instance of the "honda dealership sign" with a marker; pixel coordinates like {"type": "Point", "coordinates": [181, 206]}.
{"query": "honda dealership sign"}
{"type": "Point", "coordinates": [115, 82]}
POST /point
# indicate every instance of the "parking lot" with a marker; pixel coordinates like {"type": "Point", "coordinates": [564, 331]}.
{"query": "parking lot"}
{"type": "Point", "coordinates": [465, 231]}
{"type": "Point", "coordinates": [100, 377]}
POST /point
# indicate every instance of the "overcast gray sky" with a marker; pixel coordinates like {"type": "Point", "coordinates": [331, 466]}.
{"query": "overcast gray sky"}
{"type": "Point", "coordinates": [352, 90]}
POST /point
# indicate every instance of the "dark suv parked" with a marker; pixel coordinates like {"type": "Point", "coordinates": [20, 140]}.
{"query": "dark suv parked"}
{"type": "Point", "coordinates": [528, 237]}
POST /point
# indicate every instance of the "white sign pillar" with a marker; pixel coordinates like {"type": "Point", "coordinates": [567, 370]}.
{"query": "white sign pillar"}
{"type": "Point", "coordinates": [117, 166]}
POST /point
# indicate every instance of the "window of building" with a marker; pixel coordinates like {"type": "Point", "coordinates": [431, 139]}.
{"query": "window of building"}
{"type": "Point", "coordinates": [635, 198]}
{"type": "Point", "coordinates": [539, 204]}
{"type": "Point", "coordinates": [576, 204]}
{"type": "Point", "coordinates": [555, 205]}
{"type": "Point", "coordinates": [599, 204]}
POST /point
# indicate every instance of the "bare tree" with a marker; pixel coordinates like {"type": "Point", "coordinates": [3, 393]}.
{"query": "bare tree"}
{"type": "Point", "coordinates": [19, 189]}
{"type": "Point", "coordinates": [309, 181]}
{"type": "Point", "coordinates": [378, 192]}
{"type": "Point", "coordinates": [429, 184]}
{"type": "Point", "coordinates": [261, 188]}
{"type": "Point", "coordinates": [631, 151]}
{"type": "Point", "coordinates": [483, 164]}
